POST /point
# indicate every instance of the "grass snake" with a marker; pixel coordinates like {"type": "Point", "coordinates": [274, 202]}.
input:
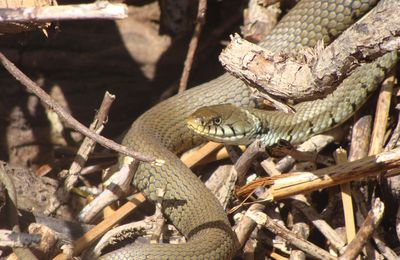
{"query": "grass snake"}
{"type": "Point", "coordinates": [162, 132]}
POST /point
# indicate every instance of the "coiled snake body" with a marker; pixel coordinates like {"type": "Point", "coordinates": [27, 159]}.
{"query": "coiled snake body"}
{"type": "Point", "coordinates": [162, 132]}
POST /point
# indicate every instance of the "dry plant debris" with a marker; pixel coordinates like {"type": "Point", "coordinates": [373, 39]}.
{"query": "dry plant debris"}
{"type": "Point", "coordinates": [283, 201]}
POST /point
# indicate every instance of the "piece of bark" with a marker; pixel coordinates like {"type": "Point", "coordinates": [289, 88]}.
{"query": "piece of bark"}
{"type": "Point", "coordinates": [65, 230]}
{"type": "Point", "coordinates": [259, 20]}
{"type": "Point", "coordinates": [14, 239]}
{"type": "Point", "coordinates": [49, 238]}
{"type": "Point", "coordinates": [314, 73]}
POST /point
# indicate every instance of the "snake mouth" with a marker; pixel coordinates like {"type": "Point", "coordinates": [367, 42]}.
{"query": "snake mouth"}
{"type": "Point", "coordinates": [215, 133]}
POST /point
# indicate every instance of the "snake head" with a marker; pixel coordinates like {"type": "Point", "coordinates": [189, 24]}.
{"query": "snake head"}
{"type": "Point", "coordinates": [225, 123]}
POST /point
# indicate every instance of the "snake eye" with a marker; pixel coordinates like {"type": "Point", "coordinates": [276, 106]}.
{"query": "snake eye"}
{"type": "Point", "coordinates": [217, 120]}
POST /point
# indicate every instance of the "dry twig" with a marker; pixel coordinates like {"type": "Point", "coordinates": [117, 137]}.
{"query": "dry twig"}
{"type": "Point", "coordinates": [302, 244]}
{"type": "Point", "coordinates": [13, 239]}
{"type": "Point", "coordinates": [381, 116]}
{"type": "Point", "coordinates": [244, 162]}
{"type": "Point", "coordinates": [301, 203]}
{"type": "Point", "coordinates": [294, 183]}
{"type": "Point", "coordinates": [341, 157]}
{"type": "Point", "coordinates": [201, 16]}
{"type": "Point", "coordinates": [88, 144]}
{"type": "Point", "coordinates": [259, 20]}
{"type": "Point", "coordinates": [300, 228]}
{"type": "Point", "coordinates": [192, 158]}
{"type": "Point", "coordinates": [119, 184]}
{"type": "Point", "coordinates": [368, 227]}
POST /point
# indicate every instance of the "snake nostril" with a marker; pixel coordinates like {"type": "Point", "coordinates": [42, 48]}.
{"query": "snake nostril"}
{"type": "Point", "coordinates": [198, 121]}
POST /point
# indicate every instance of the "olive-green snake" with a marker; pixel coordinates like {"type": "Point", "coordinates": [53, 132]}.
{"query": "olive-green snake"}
{"type": "Point", "coordinates": [162, 133]}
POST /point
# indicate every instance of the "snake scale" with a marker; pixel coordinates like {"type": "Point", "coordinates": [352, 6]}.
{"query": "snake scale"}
{"type": "Point", "coordinates": [162, 133]}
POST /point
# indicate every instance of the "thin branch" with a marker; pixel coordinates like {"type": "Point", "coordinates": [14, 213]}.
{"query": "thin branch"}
{"type": "Point", "coordinates": [67, 118]}
{"type": "Point", "coordinates": [88, 144]}
{"type": "Point", "coordinates": [313, 145]}
{"type": "Point", "coordinates": [201, 13]}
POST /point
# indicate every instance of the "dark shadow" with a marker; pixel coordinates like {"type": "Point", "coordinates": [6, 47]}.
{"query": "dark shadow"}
{"type": "Point", "coordinates": [84, 59]}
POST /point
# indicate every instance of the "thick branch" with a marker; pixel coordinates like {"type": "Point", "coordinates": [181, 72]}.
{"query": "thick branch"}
{"type": "Point", "coordinates": [314, 73]}
{"type": "Point", "coordinates": [97, 10]}
{"type": "Point", "coordinates": [294, 183]}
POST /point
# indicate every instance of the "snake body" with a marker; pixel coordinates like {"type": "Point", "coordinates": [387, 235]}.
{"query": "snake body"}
{"type": "Point", "coordinates": [162, 133]}
{"type": "Point", "coordinates": [228, 123]}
